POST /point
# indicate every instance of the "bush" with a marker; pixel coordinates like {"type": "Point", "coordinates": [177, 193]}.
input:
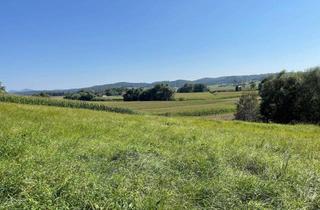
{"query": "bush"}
{"type": "Point", "coordinates": [248, 107]}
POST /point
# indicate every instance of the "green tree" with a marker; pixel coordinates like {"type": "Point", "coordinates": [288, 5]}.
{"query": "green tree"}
{"type": "Point", "coordinates": [86, 95]}
{"type": "Point", "coordinates": [279, 96]}
{"type": "Point", "coordinates": [159, 92]}
{"type": "Point", "coordinates": [309, 97]}
{"type": "Point", "coordinates": [81, 95]}
{"type": "Point", "coordinates": [186, 88]}
{"type": "Point", "coordinates": [132, 94]}
{"type": "Point", "coordinates": [291, 97]}
{"type": "Point", "coordinates": [200, 88]}
{"type": "Point", "coordinates": [115, 91]}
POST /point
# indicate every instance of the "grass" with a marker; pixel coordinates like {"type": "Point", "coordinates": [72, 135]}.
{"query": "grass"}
{"type": "Point", "coordinates": [60, 158]}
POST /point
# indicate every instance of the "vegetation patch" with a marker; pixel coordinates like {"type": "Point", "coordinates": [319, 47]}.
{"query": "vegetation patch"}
{"type": "Point", "coordinates": [61, 103]}
{"type": "Point", "coordinates": [53, 158]}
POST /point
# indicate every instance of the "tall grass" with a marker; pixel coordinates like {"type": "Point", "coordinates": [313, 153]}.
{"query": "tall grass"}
{"type": "Point", "coordinates": [53, 158]}
{"type": "Point", "coordinates": [62, 103]}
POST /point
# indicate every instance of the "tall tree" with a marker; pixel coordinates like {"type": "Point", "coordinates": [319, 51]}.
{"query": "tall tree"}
{"type": "Point", "coordinates": [291, 97]}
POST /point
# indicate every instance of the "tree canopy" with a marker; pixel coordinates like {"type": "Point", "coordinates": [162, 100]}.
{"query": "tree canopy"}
{"type": "Point", "coordinates": [189, 88]}
{"type": "Point", "coordinates": [291, 97]}
{"type": "Point", "coordinates": [81, 95]}
{"type": "Point", "coordinates": [159, 92]}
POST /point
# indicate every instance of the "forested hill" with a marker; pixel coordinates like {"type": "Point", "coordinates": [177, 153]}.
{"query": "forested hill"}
{"type": "Point", "coordinates": [175, 83]}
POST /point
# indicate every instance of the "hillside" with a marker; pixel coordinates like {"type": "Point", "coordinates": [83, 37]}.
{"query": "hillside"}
{"type": "Point", "coordinates": [176, 83]}
{"type": "Point", "coordinates": [59, 158]}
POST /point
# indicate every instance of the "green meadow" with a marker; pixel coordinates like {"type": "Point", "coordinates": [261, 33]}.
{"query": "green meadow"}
{"type": "Point", "coordinates": [63, 158]}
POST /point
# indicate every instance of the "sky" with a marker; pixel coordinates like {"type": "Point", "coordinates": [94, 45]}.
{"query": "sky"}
{"type": "Point", "coordinates": [79, 43]}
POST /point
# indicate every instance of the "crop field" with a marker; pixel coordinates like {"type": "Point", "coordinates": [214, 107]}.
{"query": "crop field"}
{"type": "Point", "coordinates": [222, 87]}
{"type": "Point", "coordinates": [61, 158]}
{"type": "Point", "coordinates": [211, 105]}
{"type": "Point", "coordinates": [186, 104]}
{"type": "Point", "coordinates": [61, 103]}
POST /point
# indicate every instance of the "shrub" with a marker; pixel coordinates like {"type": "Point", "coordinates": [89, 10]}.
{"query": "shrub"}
{"type": "Point", "coordinates": [248, 107]}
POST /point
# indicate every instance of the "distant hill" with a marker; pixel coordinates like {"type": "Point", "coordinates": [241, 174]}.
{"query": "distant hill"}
{"type": "Point", "coordinates": [232, 79]}
{"type": "Point", "coordinates": [175, 84]}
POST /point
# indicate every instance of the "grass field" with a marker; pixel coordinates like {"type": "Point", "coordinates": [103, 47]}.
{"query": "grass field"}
{"type": "Point", "coordinates": [186, 104]}
{"type": "Point", "coordinates": [60, 158]}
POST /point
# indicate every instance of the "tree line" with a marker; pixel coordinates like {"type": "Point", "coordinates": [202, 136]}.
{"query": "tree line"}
{"type": "Point", "coordinates": [285, 98]}
{"type": "Point", "coordinates": [159, 92]}
{"type": "Point", "coordinates": [190, 88]}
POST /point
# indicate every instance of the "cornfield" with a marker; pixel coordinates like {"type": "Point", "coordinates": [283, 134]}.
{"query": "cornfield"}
{"type": "Point", "coordinates": [62, 103]}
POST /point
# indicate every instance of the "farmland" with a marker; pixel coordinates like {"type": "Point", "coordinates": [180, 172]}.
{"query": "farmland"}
{"type": "Point", "coordinates": [58, 158]}
{"type": "Point", "coordinates": [206, 104]}
{"type": "Point", "coordinates": [185, 104]}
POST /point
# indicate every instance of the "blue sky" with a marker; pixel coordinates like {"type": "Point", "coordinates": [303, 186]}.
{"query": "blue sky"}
{"type": "Point", "coordinates": [76, 43]}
